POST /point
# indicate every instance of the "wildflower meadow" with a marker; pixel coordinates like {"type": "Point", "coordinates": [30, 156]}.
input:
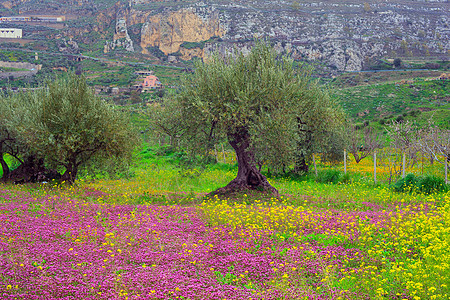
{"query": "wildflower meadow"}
{"type": "Point", "coordinates": [157, 235]}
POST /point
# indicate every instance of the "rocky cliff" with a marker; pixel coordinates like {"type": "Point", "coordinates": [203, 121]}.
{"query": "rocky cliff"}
{"type": "Point", "coordinates": [168, 31]}
{"type": "Point", "coordinates": [345, 36]}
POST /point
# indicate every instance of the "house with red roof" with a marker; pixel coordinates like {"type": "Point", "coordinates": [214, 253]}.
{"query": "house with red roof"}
{"type": "Point", "coordinates": [151, 82]}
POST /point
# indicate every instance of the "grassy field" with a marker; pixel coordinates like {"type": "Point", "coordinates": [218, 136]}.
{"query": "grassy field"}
{"type": "Point", "coordinates": [157, 235]}
{"type": "Point", "coordinates": [414, 99]}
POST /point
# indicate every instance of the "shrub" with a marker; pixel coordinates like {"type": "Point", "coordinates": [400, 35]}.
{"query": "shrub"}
{"type": "Point", "coordinates": [421, 184]}
{"type": "Point", "coordinates": [329, 176]}
{"type": "Point", "coordinates": [346, 178]}
{"type": "Point", "coordinates": [407, 184]}
{"type": "Point", "coordinates": [431, 184]}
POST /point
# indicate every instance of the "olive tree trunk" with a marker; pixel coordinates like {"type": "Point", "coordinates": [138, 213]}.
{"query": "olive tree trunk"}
{"type": "Point", "coordinates": [248, 176]}
{"type": "Point", "coordinates": [70, 174]}
{"type": "Point", "coordinates": [32, 169]}
{"type": "Point", "coordinates": [5, 168]}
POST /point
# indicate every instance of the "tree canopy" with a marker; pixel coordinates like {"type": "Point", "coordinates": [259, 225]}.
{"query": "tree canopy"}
{"type": "Point", "coordinates": [64, 124]}
{"type": "Point", "coordinates": [269, 111]}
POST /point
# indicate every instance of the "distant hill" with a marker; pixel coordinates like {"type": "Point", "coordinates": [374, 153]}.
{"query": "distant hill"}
{"type": "Point", "coordinates": [414, 99]}
{"type": "Point", "coordinates": [339, 39]}
{"type": "Point", "coordinates": [344, 36]}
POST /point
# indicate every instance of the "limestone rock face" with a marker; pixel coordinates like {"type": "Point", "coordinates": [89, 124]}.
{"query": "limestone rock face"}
{"type": "Point", "coordinates": [341, 36]}
{"type": "Point", "coordinates": [168, 31]}
{"type": "Point", "coordinates": [121, 37]}
{"type": "Point", "coordinates": [137, 17]}
{"type": "Point", "coordinates": [188, 54]}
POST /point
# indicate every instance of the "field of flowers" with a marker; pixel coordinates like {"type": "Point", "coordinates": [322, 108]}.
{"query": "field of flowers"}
{"type": "Point", "coordinates": [156, 236]}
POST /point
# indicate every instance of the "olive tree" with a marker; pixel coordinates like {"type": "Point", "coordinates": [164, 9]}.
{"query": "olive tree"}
{"type": "Point", "coordinates": [10, 141]}
{"type": "Point", "coordinates": [66, 125]}
{"type": "Point", "coordinates": [7, 143]}
{"type": "Point", "coordinates": [260, 104]}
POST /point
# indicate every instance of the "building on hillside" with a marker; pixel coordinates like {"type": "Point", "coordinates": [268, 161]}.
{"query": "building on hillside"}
{"type": "Point", "coordinates": [11, 33]}
{"type": "Point", "coordinates": [15, 19]}
{"type": "Point", "coordinates": [50, 19]}
{"type": "Point", "coordinates": [151, 82]}
{"type": "Point", "coordinates": [143, 73]}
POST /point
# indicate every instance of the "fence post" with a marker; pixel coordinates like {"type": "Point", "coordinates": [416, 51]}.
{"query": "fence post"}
{"type": "Point", "coordinates": [345, 161]}
{"type": "Point", "coordinates": [375, 167]}
{"type": "Point", "coordinates": [215, 153]}
{"type": "Point", "coordinates": [314, 162]}
{"type": "Point", "coordinates": [404, 162]}
{"type": "Point", "coordinates": [223, 153]}
{"type": "Point", "coordinates": [446, 170]}
{"type": "Point", "coordinates": [422, 162]}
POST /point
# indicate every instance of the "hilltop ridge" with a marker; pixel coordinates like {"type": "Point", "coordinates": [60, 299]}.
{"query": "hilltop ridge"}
{"type": "Point", "coordinates": [344, 36]}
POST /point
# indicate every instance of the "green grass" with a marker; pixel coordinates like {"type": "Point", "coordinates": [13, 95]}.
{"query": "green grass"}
{"type": "Point", "coordinates": [382, 103]}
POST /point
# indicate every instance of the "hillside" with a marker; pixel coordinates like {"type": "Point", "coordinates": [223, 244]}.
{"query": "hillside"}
{"type": "Point", "coordinates": [413, 99]}
{"type": "Point", "coordinates": [339, 39]}
{"type": "Point", "coordinates": [345, 36]}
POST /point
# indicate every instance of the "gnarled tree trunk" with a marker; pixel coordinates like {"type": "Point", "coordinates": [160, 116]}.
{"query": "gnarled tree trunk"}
{"type": "Point", "coordinates": [5, 168]}
{"type": "Point", "coordinates": [32, 170]}
{"type": "Point", "coordinates": [300, 164]}
{"type": "Point", "coordinates": [70, 174]}
{"type": "Point", "coordinates": [248, 176]}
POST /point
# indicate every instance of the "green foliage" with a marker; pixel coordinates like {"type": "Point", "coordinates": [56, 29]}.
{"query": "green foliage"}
{"type": "Point", "coordinates": [155, 51]}
{"type": "Point", "coordinates": [12, 146]}
{"type": "Point", "coordinates": [228, 278]}
{"type": "Point", "coordinates": [329, 176]}
{"type": "Point", "coordinates": [431, 184]}
{"type": "Point", "coordinates": [325, 240]}
{"type": "Point", "coordinates": [67, 125]}
{"type": "Point", "coordinates": [408, 183]}
{"type": "Point", "coordinates": [428, 184]}
{"type": "Point", "coordinates": [192, 45]}
{"type": "Point", "coordinates": [261, 95]}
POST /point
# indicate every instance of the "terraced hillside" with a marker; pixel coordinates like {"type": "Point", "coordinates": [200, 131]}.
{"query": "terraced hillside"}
{"type": "Point", "coordinates": [345, 36]}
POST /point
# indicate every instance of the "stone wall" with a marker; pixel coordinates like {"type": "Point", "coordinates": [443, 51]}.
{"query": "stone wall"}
{"type": "Point", "coordinates": [33, 69]}
{"type": "Point", "coordinates": [20, 65]}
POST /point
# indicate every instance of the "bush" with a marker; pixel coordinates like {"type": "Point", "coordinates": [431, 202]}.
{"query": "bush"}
{"type": "Point", "coordinates": [329, 176]}
{"type": "Point", "coordinates": [420, 184]}
{"type": "Point", "coordinates": [431, 184]}
{"type": "Point", "coordinates": [407, 184]}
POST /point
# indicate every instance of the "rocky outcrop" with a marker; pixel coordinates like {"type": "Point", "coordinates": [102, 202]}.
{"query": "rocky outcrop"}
{"type": "Point", "coordinates": [121, 37]}
{"type": "Point", "coordinates": [168, 31]}
{"type": "Point", "coordinates": [68, 46]}
{"type": "Point", "coordinates": [342, 35]}
{"type": "Point", "coordinates": [188, 54]}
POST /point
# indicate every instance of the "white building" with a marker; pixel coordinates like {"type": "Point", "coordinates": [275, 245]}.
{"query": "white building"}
{"type": "Point", "coordinates": [11, 33]}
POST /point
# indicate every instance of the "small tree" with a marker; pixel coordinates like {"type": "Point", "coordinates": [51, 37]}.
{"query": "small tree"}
{"type": "Point", "coordinates": [436, 142]}
{"type": "Point", "coordinates": [67, 125]}
{"type": "Point", "coordinates": [397, 62]}
{"type": "Point", "coordinates": [258, 103]}
{"type": "Point", "coordinates": [362, 143]}
{"type": "Point", "coordinates": [405, 137]}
